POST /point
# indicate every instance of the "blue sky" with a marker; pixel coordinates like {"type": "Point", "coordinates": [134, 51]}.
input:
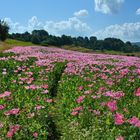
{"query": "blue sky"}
{"type": "Point", "coordinates": [102, 18]}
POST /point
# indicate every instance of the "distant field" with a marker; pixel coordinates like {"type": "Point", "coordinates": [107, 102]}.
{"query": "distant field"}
{"type": "Point", "coordinates": [85, 50]}
{"type": "Point", "coordinates": [9, 43]}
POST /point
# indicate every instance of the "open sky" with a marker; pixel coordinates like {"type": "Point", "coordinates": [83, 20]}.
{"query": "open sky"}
{"type": "Point", "coordinates": [101, 18]}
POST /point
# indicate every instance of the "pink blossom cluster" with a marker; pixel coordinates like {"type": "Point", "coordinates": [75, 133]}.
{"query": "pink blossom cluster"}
{"type": "Point", "coordinates": [114, 95]}
{"type": "Point", "coordinates": [5, 94]}
{"type": "Point", "coordinates": [77, 62]}
{"type": "Point", "coordinates": [76, 110]}
{"type": "Point", "coordinates": [119, 119]}
{"type": "Point", "coordinates": [80, 99]}
{"type": "Point", "coordinates": [134, 121]}
{"type": "Point", "coordinates": [112, 105]}
{"type": "Point", "coordinates": [13, 111]}
{"type": "Point", "coordinates": [13, 129]}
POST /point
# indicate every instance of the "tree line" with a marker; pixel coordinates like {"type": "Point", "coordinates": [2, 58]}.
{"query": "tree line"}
{"type": "Point", "coordinates": [42, 37]}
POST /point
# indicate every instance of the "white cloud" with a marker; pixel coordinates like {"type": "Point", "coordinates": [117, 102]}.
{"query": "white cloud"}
{"type": "Point", "coordinates": [33, 23]}
{"type": "Point", "coordinates": [126, 31]}
{"type": "Point", "coordinates": [138, 11]}
{"type": "Point", "coordinates": [72, 26]}
{"type": "Point", "coordinates": [14, 26]}
{"type": "Point", "coordinates": [108, 6]}
{"type": "Point", "coordinates": [81, 13]}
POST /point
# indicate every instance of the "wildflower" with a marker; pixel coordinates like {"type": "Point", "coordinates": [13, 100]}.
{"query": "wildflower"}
{"type": "Point", "coordinates": [38, 107]}
{"type": "Point", "coordinates": [80, 99]}
{"type": "Point", "coordinates": [137, 124]}
{"type": "Point", "coordinates": [2, 107]}
{"type": "Point", "coordinates": [35, 134]}
{"type": "Point", "coordinates": [118, 119]}
{"type": "Point", "coordinates": [133, 120]}
{"type": "Point", "coordinates": [45, 86]}
{"type": "Point", "coordinates": [137, 92]}
{"type": "Point", "coordinates": [80, 88]}
{"type": "Point", "coordinates": [119, 138]}
{"type": "Point", "coordinates": [12, 130]}
{"type": "Point", "coordinates": [9, 134]}
{"type": "Point", "coordinates": [74, 113]}
{"type": "Point", "coordinates": [45, 91]}
{"type": "Point", "coordinates": [87, 92]}
{"type": "Point", "coordinates": [78, 108]}
{"type": "Point", "coordinates": [112, 106]}
{"type": "Point", "coordinates": [114, 95]}
{"type": "Point", "coordinates": [49, 100]}
{"type": "Point", "coordinates": [103, 104]}
{"type": "Point", "coordinates": [14, 111]}
{"type": "Point", "coordinates": [5, 94]}
{"type": "Point", "coordinates": [96, 112]}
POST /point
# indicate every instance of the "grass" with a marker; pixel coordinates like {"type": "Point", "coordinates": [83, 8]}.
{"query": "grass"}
{"type": "Point", "coordinates": [9, 43]}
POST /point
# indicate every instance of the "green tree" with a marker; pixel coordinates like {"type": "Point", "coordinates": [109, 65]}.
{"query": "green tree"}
{"type": "Point", "coordinates": [4, 28]}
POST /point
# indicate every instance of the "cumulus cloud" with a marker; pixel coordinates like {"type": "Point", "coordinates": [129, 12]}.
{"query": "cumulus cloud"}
{"type": "Point", "coordinates": [126, 31]}
{"type": "Point", "coordinates": [108, 6]}
{"type": "Point", "coordinates": [138, 11]}
{"type": "Point", "coordinates": [81, 13]}
{"type": "Point", "coordinates": [72, 26]}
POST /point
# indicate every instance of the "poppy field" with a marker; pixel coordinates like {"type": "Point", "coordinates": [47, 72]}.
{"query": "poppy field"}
{"type": "Point", "coordinates": [50, 93]}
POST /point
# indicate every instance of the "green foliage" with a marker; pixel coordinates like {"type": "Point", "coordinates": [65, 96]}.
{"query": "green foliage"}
{"type": "Point", "coordinates": [4, 28]}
